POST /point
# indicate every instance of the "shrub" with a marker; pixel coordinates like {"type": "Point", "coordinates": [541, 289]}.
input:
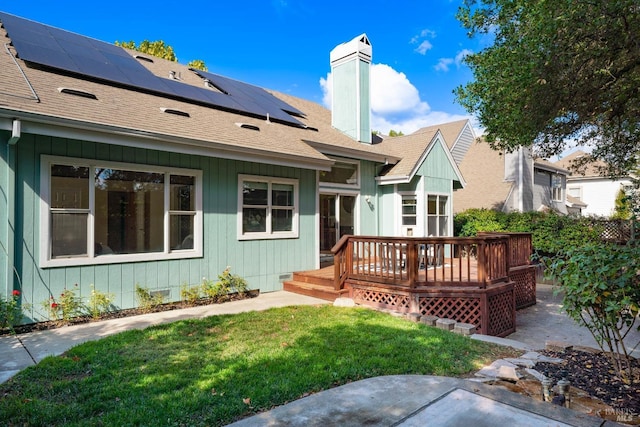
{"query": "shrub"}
{"type": "Point", "coordinates": [10, 311]}
{"type": "Point", "coordinates": [66, 307]}
{"type": "Point", "coordinates": [99, 303]}
{"type": "Point", "coordinates": [551, 232]}
{"type": "Point", "coordinates": [227, 283]}
{"type": "Point", "coordinates": [190, 294]}
{"type": "Point", "coordinates": [146, 300]}
{"type": "Point", "coordinates": [601, 285]}
{"type": "Point", "coordinates": [472, 221]}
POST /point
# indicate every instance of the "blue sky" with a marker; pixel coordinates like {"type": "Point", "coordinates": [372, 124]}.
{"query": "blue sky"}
{"type": "Point", "coordinates": [284, 45]}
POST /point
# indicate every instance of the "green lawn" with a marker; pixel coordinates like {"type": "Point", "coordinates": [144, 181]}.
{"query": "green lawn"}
{"type": "Point", "coordinates": [220, 369]}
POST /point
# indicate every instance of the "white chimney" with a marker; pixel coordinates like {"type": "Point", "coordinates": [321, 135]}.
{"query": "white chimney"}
{"type": "Point", "coordinates": [350, 100]}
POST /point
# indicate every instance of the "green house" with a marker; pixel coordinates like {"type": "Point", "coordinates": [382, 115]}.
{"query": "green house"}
{"type": "Point", "coordinates": [118, 169]}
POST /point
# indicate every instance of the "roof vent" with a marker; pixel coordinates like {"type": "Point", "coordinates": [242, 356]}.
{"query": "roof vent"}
{"type": "Point", "coordinates": [143, 58]}
{"type": "Point", "coordinates": [77, 92]}
{"type": "Point", "coordinates": [248, 126]}
{"type": "Point", "coordinates": [175, 112]}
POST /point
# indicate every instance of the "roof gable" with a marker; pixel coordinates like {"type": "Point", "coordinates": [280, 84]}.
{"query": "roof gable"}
{"type": "Point", "coordinates": [433, 160]}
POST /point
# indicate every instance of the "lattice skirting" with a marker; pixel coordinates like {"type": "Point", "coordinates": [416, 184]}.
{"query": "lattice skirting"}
{"type": "Point", "coordinates": [492, 310]}
{"type": "Point", "coordinates": [525, 281]}
{"type": "Point", "coordinates": [381, 299]}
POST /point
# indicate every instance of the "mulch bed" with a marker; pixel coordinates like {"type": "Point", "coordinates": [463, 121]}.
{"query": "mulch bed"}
{"type": "Point", "coordinates": [593, 373]}
{"type": "Point", "coordinates": [43, 326]}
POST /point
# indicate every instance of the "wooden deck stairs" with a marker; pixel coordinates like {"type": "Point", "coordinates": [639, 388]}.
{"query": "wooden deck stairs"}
{"type": "Point", "coordinates": [314, 283]}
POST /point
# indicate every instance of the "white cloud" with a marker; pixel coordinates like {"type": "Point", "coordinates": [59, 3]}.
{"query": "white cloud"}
{"type": "Point", "coordinates": [426, 33]}
{"type": "Point", "coordinates": [424, 47]}
{"type": "Point", "coordinates": [443, 64]}
{"type": "Point", "coordinates": [392, 92]}
{"type": "Point", "coordinates": [461, 55]}
{"type": "Point", "coordinates": [395, 102]}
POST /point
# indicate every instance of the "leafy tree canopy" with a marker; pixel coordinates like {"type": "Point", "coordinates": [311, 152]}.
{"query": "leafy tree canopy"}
{"type": "Point", "coordinates": [395, 133]}
{"type": "Point", "coordinates": [160, 49]}
{"type": "Point", "coordinates": [558, 74]}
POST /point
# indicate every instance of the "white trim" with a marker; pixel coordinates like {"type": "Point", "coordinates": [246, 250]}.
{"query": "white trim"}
{"type": "Point", "coordinates": [64, 128]}
{"type": "Point", "coordinates": [45, 220]}
{"type": "Point", "coordinates": [269, 234]}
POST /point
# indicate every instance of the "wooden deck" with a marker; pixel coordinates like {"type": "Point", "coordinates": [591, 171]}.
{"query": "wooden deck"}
{"type": "Point", "coordinates": [478, 280]}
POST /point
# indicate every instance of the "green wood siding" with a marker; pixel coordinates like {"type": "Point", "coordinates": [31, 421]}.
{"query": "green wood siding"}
{"type": "Point", "coordinates": [6, 234]}
{"type": "Point", "coordinates": [368, 188]}
{"type": "Point", "coordinates": [260, 262]}
{"type": "Point", "coordinates": [437, 165]}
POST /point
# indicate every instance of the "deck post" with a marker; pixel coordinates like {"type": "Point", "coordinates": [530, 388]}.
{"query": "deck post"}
{"type": "Point", "coordinates": [482, 261]}
{"type": "Point", "coordinates": [412, 263]}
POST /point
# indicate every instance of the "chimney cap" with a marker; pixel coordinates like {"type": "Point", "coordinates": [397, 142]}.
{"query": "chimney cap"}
{"type": "Point", "coordinates": [360, 46]}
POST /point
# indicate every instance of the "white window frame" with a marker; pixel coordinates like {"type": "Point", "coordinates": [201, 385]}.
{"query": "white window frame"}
{"type": "Point", "coordinates": [438, 215]}
{"type": "Point", "coordinates": [91, 258]}
{"type": "Point", "coordinates": [556, 190]}
{"type": "Point", "coordinates": [269, 233]}
{"type": "Point", "coordinates": [572, 188]}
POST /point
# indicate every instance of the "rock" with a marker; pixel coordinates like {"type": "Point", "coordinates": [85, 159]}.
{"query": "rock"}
{"type": "Point", "coordinates": [429, 320]}
{"type": "Point", "coordinates": [491, 371]}
{"type": "Point", "coordinates": [557, 346]}
{"type": "Point", "coordinates": [414, 317]}
{"type": "Point", "coordinates": [464, 329]}
{"type": "Point", "coordinates": [446, 324]}
{"type": "Point", "coordinates": [535, 374]}
{"type": "Point", "coordinates": [526, 363]}
{"type": "Point", "coordinates": [344, 302]}
{"type": "Point", "coordinates": [508, 373]}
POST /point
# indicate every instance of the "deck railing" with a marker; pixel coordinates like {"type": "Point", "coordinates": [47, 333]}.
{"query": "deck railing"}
{"type": "Point", "coordinates": [414, 262]}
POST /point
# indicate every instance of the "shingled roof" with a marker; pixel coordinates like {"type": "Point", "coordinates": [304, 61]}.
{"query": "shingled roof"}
{"type": "Point", "coordinates": [45, 97]}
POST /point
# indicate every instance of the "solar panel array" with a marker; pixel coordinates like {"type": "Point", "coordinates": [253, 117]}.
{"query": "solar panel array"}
{"type": "Point", "coordinates": [70, 52]}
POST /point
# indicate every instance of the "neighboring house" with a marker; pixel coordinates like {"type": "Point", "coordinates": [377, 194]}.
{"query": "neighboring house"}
{"type": "Point", "coordinates": [588, 186]}
{"type": "Point", "coordinates": [507, 181]}
{"type": "Point", "coordinates": [119, 169]}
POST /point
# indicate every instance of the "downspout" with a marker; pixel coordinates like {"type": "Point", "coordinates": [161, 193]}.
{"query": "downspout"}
{"type": "Point", "coordinates": [11, 157]}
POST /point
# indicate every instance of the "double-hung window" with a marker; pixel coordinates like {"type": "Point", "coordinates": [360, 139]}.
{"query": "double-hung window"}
{"type": "Point", "coordinates": [267, 207]}
{"type": "Point", "coordinates": [437, 215]}
{"type": "Point", "coordinates": [104, 212]}
{"type": "Point", "coordinates": [556, 187]}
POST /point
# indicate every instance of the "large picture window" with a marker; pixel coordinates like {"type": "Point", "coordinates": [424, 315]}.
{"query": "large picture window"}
{"type": "Point", "coordinates": [103, 212]}
{"type": "Point", "coordinates": [267, 208]}
{"type": "Point", "coordinates": [343, 173]}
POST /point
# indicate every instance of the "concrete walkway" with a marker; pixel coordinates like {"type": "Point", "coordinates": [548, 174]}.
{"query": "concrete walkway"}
{"type": "Point", "coordinates": [382, 401]}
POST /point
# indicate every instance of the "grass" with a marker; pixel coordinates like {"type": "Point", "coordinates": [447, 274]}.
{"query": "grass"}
{"type": "Point", "coordinates": [217, 370]}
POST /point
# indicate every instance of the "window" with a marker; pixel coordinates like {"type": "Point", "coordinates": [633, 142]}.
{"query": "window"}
{"type": "Point", "coordinates": [409, 210]}
{"type": "Point", "coordinates": [575, 192]}
{"type": "Point", "coordinates": [556, 187]}
{"type": "Point", "coordinates": [114, 212]}
{"type": "Point", "coordinates": [437, 215]}
{"type": "Point", "coordinates": [268, 208]}
{"type": "Point", "coordinates": [343, 174]}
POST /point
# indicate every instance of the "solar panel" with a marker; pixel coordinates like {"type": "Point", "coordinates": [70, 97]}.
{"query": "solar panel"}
{"type": "Point", "coordinates": [67, 51]}
{"type": "Point", "coordinates": [245, 91]}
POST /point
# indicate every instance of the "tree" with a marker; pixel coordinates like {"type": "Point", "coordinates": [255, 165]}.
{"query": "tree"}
{"type": "Point", "coordinates": [622, 206]}
{"type": "Point", "coordinates": [557, 74]}
{"type": "Point", "coordinates": [393, 133]}
{"type": "Point", "coordinates": [159, 49]}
